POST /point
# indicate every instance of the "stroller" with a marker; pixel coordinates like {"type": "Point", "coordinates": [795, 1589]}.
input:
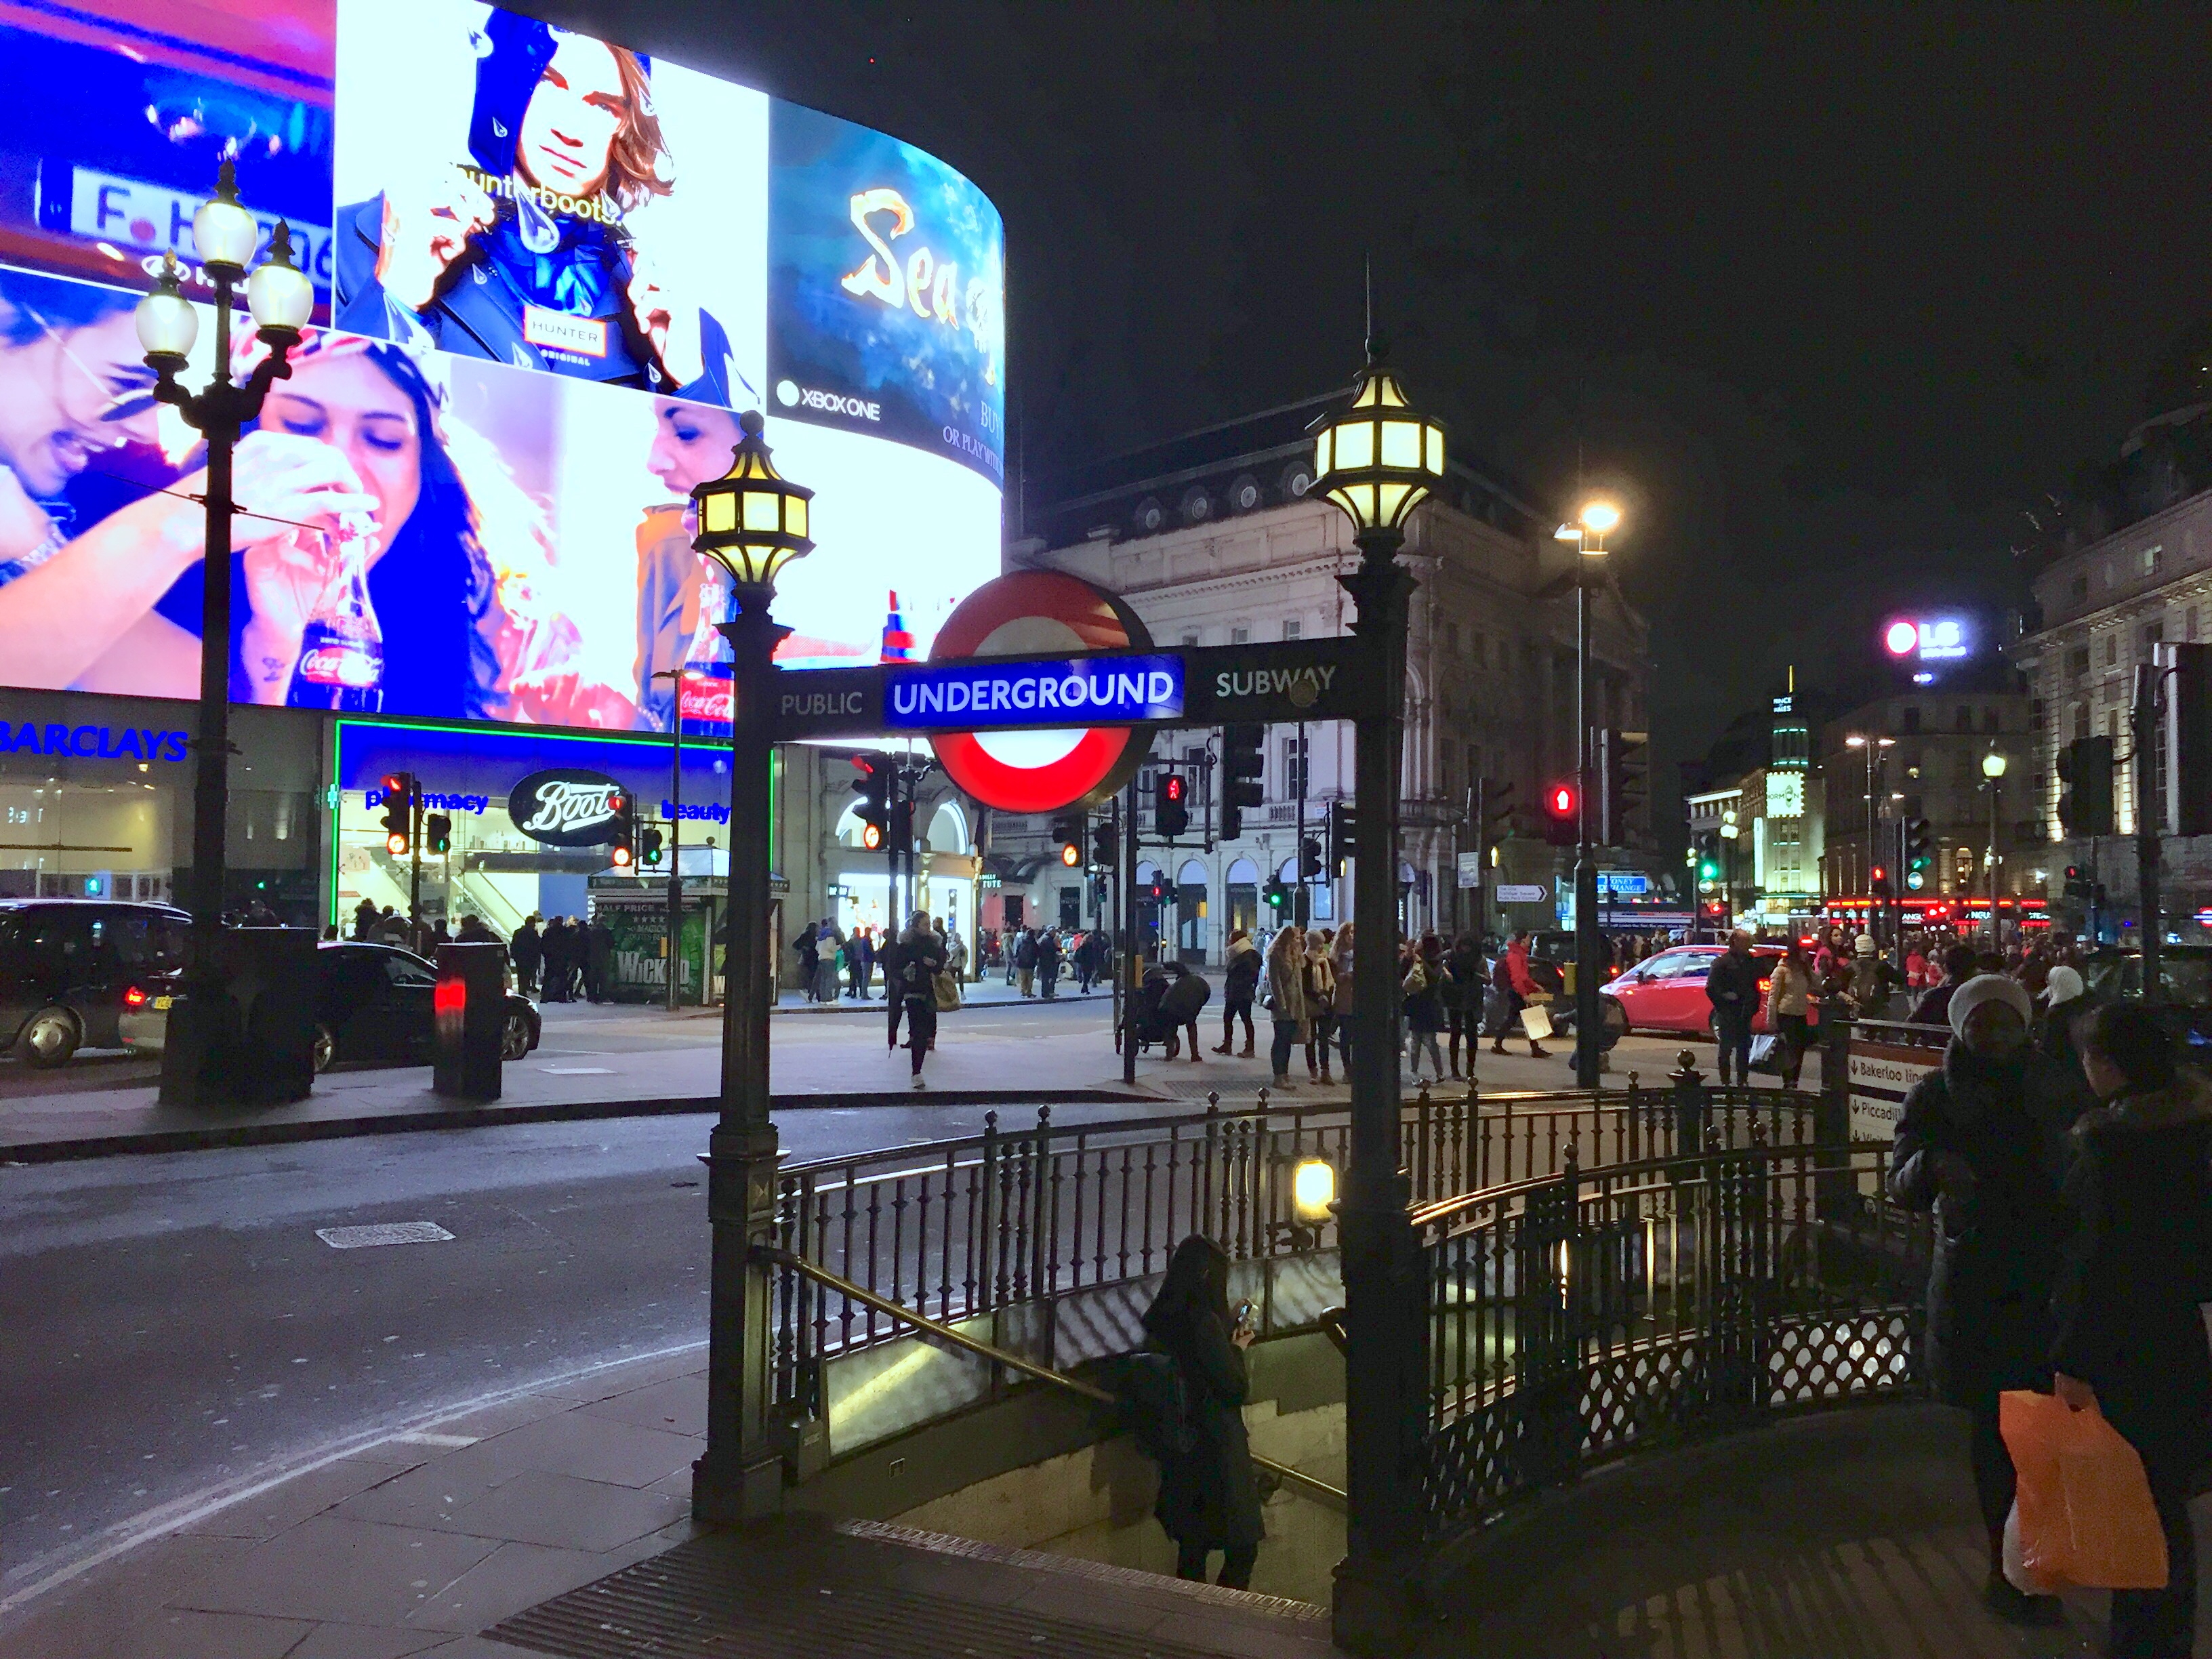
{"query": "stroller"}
{"type": "Point", "coordinates": [1170, 999]}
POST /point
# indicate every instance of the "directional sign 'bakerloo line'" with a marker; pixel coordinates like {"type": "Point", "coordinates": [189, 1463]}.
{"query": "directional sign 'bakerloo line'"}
{"type": "Point", "coordinates": [1291, 680]}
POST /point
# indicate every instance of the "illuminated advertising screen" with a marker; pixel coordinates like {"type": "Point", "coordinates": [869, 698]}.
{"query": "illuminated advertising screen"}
{"type": "Point", "coordinates": [552, 271]}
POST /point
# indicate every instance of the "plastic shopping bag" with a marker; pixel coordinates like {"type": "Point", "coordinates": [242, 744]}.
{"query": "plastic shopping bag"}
{"type": "Point", "coordinates": [2015, 1565]}
{"type": "Point", "coordinates": [2086, 1516]}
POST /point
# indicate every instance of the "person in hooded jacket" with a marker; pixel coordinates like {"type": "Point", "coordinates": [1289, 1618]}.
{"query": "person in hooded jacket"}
{"type": "Point", "coordinates": [1981, 1142]}
{"type": "Point", "coordinates": [2065, 999]}
{"type": "Point", "coordinates": [1238, 987]}
{"type": "Point", "coordinates": [1208, 1497]}
{"type": "Point", "coordinates": [2130, 1340]}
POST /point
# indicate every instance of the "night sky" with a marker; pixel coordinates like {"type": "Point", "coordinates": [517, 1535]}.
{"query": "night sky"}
{"type": "Point", "coordinates": [1827, 296]}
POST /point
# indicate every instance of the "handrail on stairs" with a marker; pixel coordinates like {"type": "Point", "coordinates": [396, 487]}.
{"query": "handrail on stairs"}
{"type": "Point", "coordinates": [1298, 1480]}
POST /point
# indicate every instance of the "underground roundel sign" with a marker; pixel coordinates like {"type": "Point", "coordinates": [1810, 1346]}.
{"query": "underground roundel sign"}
{"type": "Point", "coordinates": [566, 807]}
{"type": "Point", "coordinates": [1040, 613]}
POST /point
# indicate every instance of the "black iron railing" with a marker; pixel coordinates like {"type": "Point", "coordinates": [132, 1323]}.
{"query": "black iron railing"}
{"type": "Point", "coordinates": [961, 1228]}
{"type": "Point", "coordinates": [1581, 1316]}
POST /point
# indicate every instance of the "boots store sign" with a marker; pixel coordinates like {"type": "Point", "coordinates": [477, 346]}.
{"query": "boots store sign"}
{"type": "Point", "coordinates": [567, 807]}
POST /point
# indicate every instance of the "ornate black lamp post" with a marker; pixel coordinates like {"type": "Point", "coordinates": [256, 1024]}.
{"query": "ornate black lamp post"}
{"type": "Point", "coordinates": [752, 522]}
{"type": "Point", "coordinates": [202, 1062]}
{"type": "Point", "coordinates": [1377, 460]}
{"type": "Point", "coordinates": [1587, 533]}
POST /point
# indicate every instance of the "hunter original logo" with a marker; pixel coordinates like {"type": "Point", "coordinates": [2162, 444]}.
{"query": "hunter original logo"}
{"type": "Point", "coordinates": [567, 808]}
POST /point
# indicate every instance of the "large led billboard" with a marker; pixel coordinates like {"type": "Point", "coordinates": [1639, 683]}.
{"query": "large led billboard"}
{"type": "Point", "coordinates": [552, 270]}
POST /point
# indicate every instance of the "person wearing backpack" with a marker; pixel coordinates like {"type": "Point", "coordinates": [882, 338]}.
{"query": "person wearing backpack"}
{"type": "Point", "coordinates": [921, 959]}
{"type": "Point", "coordinates": [1423, 988]}
{"type": "Point", "coordinates": [1208, 1499]}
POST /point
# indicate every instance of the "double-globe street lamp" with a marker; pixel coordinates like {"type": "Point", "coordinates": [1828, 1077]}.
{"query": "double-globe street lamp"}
{"type": "Point", "coordinates": [752, 522]}
{"type": "Point", "coordinates": [1876, 750]}
{"type": "Point", "coordinates": [204, 1060]}
{"type": "Point", "coordinates": [1376, 459]}
{"type": "Point", "coordinates": [1587, 533]}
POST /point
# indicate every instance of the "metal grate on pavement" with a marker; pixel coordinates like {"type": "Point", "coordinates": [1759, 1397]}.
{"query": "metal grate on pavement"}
{"type": "Point", "coordinates": [793, 1588]}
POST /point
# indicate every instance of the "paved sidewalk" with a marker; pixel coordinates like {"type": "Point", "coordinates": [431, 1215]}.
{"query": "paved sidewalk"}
{"type": "Point", "coordinates": [416, 1541]}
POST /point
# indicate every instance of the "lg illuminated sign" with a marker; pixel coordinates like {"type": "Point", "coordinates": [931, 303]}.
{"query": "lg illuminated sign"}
{"type": "Point", "coordinates": [1934, 639]}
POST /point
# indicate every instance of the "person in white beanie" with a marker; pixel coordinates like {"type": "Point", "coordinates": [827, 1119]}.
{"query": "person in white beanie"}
{"type": "Point", "coordinates": [1982, 1142]}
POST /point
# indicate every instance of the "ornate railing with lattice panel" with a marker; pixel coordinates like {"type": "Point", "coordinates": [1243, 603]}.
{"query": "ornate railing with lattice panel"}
{"type": "Point", "coordinates": [1579, 1316]}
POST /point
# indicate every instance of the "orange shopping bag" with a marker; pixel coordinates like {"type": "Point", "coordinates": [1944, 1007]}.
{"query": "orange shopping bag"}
{"type": "Point", "coordinates": [2086, 1516]}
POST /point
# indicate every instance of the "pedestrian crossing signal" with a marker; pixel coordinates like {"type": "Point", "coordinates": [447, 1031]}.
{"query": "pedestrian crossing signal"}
{"type": "Point", "coordinates": [1562, 815]}
{"type": "Point", "coordinates": [648, 846]}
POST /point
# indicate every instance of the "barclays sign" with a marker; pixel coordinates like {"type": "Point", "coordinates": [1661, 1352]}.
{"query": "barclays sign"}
{"type": "Point", "coordinates": [566, 807]}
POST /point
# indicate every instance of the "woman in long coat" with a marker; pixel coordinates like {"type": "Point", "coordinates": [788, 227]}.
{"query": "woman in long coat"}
{"type": "Point", "coordinates": [2130, 1339]}
{"type": "Point", "coordinates": [1981, 1141]}
{"type": "Point", "coordinates": [1208, 1499]}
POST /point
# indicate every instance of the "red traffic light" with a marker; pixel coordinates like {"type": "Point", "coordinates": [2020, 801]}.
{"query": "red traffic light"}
{"type": "Point", "coordinates": [395, 843]}
{"type": "Point", "coordinates": [1881, 874]}
{"type": "Point", "coordinates": [872, 837]}
{"type": "Point", "coordinates": [1071, 854]}
{"type": "Point", "coordinates": [621, 857]}
{"type": "Point", "coordinates": [1560, 800]}
{"type": "Point", "coordinates": [860, 764]}
{"type": "Point", "coordinates": [395, 783]}
{"type": "Point", "coordinates": [1176, 787]}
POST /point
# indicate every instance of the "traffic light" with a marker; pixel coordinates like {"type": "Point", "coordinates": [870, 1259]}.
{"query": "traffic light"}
{"type": "Point", "coordinates": [622, 832]}
{"type": "Point", "coordinates": [1705, 857]}
{"type": "Point", "coordinates": [1623, 783]}
{"type": "Point", "coordinates": [2186, 730]}
{"type": "Point", "coordinates": [1343, 833]}
{"type": "Point", "coordinates": [2084, 787]}
{"type": "Point", "coordinates": [1881, 887]}
{"type": "Point", "coordinates": [649, 840]}
{"type": "Point", "coordinates": [874, 787]}
{"type": "Point", "coordinates": [1310, 864]}
{"type": "Point", "coordinates": [1916, 845]}
{"type": "Point", "coordinates": [1562, 823]}
{"type": "Point", "coordinates": [902, 830]}
{"type": "Point", "coordinates": [400, 791]}
{"type": "Point", "coordinates": [1493, 810]}
{"type": "Point", "coordinates": [2077, 883]}
{"type": "Point", "coordinates": [1171, 804]}
{"type": "Point", "coordinates": [1241, 765]}
{"type": "Point", "coordinates": [1067, 835]}
{"type": "Point", "coordinates": [438, 834]}
{"type": "Point", "coordinates": [1102, 851]}
{"type": "Point", "coordinates": [1155, 890]}
{"type": "Point", "coordinates": [1277, 894]}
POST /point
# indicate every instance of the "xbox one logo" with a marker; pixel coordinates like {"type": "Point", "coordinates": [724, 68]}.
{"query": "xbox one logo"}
{"type": "Point", "coordinates": [787, 392]}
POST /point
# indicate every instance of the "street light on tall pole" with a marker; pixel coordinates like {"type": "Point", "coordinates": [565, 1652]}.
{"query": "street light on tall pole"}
{"type": "Point", "coordinates": [199, 1063]}
{"type": "Point", "coordinates": [1993, 769]}
{"type": "Point", "coordinates": [1587, 533]}
{"type": "Point", "coordinates": [1376, 460]}
{"type": "Point", "coordinates": [1874, 744]}
{"type": "Point", "coordinates": [752, 522]}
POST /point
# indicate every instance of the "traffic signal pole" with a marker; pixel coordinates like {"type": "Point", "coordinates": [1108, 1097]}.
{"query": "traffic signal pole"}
{"type": "Point", "coordinates": [2144, 732]}
{"type": "Point", "coordinates": [1589, 1055]}
{"type": "Point", "coordinates": [1129, 960]}
{"type": "Point", "coordinates": [676, 855]}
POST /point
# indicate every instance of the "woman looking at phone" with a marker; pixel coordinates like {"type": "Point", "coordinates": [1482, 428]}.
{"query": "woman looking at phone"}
{"type": "Point", "coordinates": [1208, 1499]}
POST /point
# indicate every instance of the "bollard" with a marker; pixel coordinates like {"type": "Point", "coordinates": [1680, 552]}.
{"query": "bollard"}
{"type": "Point", "coordinates": [1836, 1196]}
{"type": "Point", "coordinates": [1694, 1106]}
{"type": "Point", "coordinates": [468, 1021]}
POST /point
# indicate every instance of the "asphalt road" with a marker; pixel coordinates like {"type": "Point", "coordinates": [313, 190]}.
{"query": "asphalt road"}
{"type": "Point", "coordinates": [173, 1324]}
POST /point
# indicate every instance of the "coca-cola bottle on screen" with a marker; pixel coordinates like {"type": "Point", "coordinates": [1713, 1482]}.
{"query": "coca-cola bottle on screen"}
{"type": "Point", "coordinates": [342, 653]}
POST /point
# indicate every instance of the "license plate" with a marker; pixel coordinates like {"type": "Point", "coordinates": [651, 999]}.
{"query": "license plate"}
{"type": "Point", "coordinates": [161, 1004]}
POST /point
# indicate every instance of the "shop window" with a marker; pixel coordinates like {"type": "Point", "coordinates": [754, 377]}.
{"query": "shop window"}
{"type": "Point", "coordinates": [2078, 591]}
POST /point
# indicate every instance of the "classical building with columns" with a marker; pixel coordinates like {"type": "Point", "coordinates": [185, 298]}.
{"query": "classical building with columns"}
{"type": "Point", "coordinates": [1211, 539]}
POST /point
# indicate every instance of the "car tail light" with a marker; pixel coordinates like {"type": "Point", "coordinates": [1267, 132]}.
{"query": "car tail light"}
{"type": "Point", "coordinates": [1764, 983]}
{"type": "Point", "coordinates": [135, 997]}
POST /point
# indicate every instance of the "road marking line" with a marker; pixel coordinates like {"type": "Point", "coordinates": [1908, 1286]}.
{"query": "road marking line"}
{"type": "Point", "coordinates": [383, 1232]}
{"type": "Point", "coordinates": [423, 1437]}
{"type": "Point", "coordinates": [579, 1071]}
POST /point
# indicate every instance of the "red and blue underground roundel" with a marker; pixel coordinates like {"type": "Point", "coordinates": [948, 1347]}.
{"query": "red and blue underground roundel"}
{"type": "Point", "coordinates": [1040, 613]}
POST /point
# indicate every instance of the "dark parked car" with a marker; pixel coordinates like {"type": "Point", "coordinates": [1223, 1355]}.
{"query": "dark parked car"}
{"type": "Point", "coordinates": [66, 964]}
{"type": "Point", "coordinates": [2184, 973]}
{"type": "Point", "coordinates": [372, 1006]}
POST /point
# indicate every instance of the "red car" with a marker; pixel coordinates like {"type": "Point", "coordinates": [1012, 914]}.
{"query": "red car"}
{"type": "Point", "coordinates": [1665, 992]}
